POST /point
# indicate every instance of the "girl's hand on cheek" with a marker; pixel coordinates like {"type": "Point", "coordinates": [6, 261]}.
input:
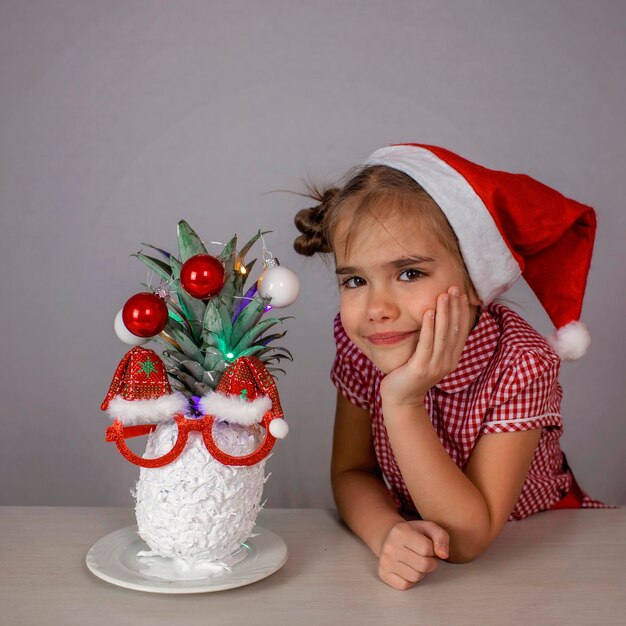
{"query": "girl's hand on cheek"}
{"type": "Point", "coordinates": [439, 348]}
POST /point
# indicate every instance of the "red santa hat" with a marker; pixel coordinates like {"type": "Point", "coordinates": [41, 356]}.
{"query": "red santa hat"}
{"type": "Point", "coordinates": [510, 225]}
{"type": "Point", "coordinates": [140, 392]}
{"type": "Point", "coordinates": [245, 394]}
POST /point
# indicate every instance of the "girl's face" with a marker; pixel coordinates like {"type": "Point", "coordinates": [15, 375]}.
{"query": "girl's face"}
{"type": "Point", "coordinates": [392, 274]}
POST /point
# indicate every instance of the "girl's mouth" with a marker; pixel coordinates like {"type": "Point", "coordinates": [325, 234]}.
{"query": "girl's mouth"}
{"type": "Point", "coordinates": [389, 338]}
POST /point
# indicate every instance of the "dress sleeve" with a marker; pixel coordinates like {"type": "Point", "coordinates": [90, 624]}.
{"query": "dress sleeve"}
{"type": "Point", "coordinates": [527, 396]}
{"type": "Point", "coordinates": [352, 373]}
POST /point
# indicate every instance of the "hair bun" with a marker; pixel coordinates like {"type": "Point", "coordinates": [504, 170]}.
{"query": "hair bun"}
{"type": "Point", "coordinates": [311, 223]}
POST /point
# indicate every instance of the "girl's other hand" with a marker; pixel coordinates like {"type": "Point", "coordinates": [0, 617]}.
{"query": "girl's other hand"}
{"type": "Point", "coordinates": [410, 551]}
{"type": "Point", "coordinates": [442, 337]}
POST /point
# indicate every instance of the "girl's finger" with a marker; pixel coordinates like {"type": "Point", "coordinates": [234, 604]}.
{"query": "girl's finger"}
{"type": "Point", "coordinates": [455, 311]}
{"type": "Point", "coordinates": [407, 572]}
{"type": "Point", "coordinates": [442, 330]}
{"type": "Point", "coordinates": [464, 329]}
{"type": "Point", "coordinates": [439, 537]}
{"type": "Point", "coordinates": [395, 581]}
{"type": "Point", "coordinates": [422, 564]}
{"type": "Point", "coordinates": [424, 348]}
{"type": "Point", "coordinates": [419, 542]}
{"type": "Point", "coordinates": [455, 327]}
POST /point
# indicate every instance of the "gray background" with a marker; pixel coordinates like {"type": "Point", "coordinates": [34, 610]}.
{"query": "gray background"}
{"type": "Point", "coordinates": [119, 118]}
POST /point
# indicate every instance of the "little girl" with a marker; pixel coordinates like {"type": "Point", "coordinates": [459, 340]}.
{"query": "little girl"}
{"type": "Point", "coordinates": [448, 407]}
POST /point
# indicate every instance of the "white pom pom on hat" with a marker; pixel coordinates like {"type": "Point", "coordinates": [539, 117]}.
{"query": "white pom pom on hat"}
{"type": "Point", "coordinates": [509, 225]}
{"type": "Point", "coordinates": [571, 341]}
{"type": "Point", "coordinates": [279, 428]}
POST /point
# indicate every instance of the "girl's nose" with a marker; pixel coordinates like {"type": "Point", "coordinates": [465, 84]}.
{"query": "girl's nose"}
{"type": "Point", "coordinates": [381, 305]}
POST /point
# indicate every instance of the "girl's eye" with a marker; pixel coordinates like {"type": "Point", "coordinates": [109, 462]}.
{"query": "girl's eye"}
{"type": "Point", "coordinates": [411, 275]}
{"type": "Point", "coordinates": [352, 282]}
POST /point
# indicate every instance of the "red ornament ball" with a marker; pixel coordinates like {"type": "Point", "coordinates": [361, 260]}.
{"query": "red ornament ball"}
{"type": "Point", "coordinates": [145, 314]}
{"type": "Point", "coordinates": [202, 276]}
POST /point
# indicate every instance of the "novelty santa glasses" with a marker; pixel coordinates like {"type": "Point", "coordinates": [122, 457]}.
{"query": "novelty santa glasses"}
{"type": "Point", "coordinates": [245, 397]}
{"type": "Point", "coordinates": [119, 433]}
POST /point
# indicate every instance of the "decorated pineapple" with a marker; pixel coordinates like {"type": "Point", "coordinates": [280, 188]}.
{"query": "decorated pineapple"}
{"type": "Point", "coordinates": [211, 429]}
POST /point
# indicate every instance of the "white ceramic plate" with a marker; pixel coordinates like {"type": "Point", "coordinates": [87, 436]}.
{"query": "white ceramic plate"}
{"type": "Point", "coordinates": [114, 559]}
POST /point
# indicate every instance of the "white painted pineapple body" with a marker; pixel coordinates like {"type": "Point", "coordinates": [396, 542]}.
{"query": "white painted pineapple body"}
{"type": "Point", "coordinates": [195, 508]}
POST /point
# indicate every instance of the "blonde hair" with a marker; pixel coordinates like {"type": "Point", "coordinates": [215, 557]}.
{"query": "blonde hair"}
{"type": "Point", "coordinates": [358, 204]}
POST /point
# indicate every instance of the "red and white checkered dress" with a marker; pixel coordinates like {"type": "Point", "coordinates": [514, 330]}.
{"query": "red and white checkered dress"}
{"type": "Point", "coordinates": [506, 381]}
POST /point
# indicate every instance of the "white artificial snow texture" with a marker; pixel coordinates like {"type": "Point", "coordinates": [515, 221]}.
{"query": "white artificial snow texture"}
{"type": "Point", "coordinates": [195, 509]}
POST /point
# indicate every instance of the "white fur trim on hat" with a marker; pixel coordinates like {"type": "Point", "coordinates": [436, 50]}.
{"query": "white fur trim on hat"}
{"type": "Point", "coordinates": [152, 411]}
{"type": "Point", "coordinates": [279, 428]}
{"type": "Point", "coordinates": [490, 264]}
{"type": "Point", "coordinates": [235, 409]}
{"type": "Point", "coordinates": [571, 341]}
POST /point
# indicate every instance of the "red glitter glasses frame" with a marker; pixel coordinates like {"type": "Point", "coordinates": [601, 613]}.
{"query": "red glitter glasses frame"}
{"type": "Point", "coordinates": [119, 433]}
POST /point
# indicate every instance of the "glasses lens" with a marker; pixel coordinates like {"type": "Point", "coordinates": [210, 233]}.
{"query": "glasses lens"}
{"type": "Point", "coordinates": [149, 449]}
{"type": "Point", "coordinates": [237, 440]}
{"type": "Point", "coordinates": [161, 441]}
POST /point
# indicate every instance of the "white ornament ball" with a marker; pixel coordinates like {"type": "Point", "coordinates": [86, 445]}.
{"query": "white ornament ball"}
{"type": "Point", "coordinates": [280, 284]}
{"type": "Point", "coordinates": [124, 334]}
{"type": "Point", "coordinates": [279, 428]}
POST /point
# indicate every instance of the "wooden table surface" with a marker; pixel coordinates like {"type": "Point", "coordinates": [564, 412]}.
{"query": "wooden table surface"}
{"type": "Point", "coordinates": [559, 567]}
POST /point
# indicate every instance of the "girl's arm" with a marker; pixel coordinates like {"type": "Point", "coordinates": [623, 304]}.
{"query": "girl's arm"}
{"type": "Point", "coordinates": [471, 504]}
{"type": "Point", "coordinates": [406, 550]}
{"type": "Point", "coordinates": [363, 500]}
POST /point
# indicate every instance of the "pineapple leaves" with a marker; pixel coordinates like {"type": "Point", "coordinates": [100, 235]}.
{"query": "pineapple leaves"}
{"type": "Point", "coordinates": [194, 368]}
{"type": "Point", "coordinates": [165, 253]}
{"type": "Point", "coordinates": [173, 324]}
{"type": "Point", "coordinates": [189, 244]}
{"type": "Point", "coordinates": [242, 253]}
{"type": "Point", "coordinates": [237, 272]}
{"type": "Point", "coordinates": [263, 341]}
{"type": "Point", "coordinates": [226, 322]}
{"type": "Point", "coordinates": [217, 326]}
{"type": "Point", "coordinates": [212, 321]}
{"type": "Point", "coordinates": [203, 338]}
{"type": "Point", "coordinates": [250, 315]}
{"type": "Point", "coordinates": [173, 358]}
{"type": "Point", "coordinates": [276, 369]}
{"type": "Point", "coordinates": [187, 345]}
{"type": "Point", "coordinates": [177, 311]}
{"type": "Point", "coordinates": [210, 339]}
{"type": "Point", "coordinates": [200, 380]}
{"type": "Point", "coordinates": [229, 253]}
{"type": "Point", "coordinates": [212, 357]}
{"type": "Point", "coordinates": [166, 341]}
{"type": "Point", "coordinates": [275, 357]}
{"type": "Point", "coordinates": [193, 309]}
{"type": "Point", "coordinates": [228, 258]}
{"type": "Point", "coordinates": [282, 353]}
{"type": "Point", "coordinates": [252, 350]}
{"type": "Point", "coordinates": [196, 387]}
{"type": "Point", "coordinates": [256, 331]}
{"type": "Point", "coordinates": [241, 276]}
{"type": "Point", "coordinates": [159, 267]}
{"type": "Point", "coordinates": [174, 355]}
{"type": "Point", "coordinates": [243, 271]}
